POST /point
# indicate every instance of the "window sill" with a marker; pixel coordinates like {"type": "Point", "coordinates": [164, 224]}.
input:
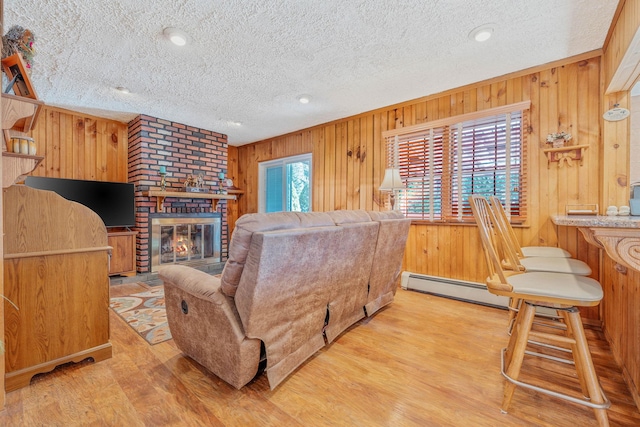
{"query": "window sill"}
{"type": "Point", "coordinates": [460, 223]}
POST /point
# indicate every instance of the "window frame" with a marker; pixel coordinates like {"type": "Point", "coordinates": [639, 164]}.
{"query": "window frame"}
{"type": "Point", "coordinates": [282, 161]}
{"type": "Point", "coordinates": [442, 147]}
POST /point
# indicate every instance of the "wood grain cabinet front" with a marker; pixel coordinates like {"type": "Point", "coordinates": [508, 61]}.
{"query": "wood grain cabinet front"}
{"type": "Point", "coordinates": [123, 253]}
{"type": "Point", "coordinates": [55, 283]}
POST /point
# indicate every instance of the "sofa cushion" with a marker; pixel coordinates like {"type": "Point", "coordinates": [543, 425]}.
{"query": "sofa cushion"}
{"type": "Point", "coordinates": [341, 217]}
{"type": "Point", "coordinates": [381, 215]}
{"type": "Point", "coordinates": [261, 222]}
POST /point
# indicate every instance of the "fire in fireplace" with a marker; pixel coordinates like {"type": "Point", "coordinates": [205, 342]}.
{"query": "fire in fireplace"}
{"type": "Point", "coordinates": [192, 239]}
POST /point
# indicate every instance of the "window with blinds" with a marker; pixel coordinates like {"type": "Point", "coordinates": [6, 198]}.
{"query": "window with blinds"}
{"type": "Point", "coordinates": [443, 162]}
{"type": "Point", "coordinates": [285, 184]}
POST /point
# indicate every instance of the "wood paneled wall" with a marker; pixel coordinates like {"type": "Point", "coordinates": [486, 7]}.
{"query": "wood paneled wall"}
{"type": "Point", "coordinates": [348, 165]}
{"type": "Point", "coordinates": [348, 162]}
{"type": "Point", "coordinates": [621, 304]}
{"type": "Point", "coordinates": [78, 146]}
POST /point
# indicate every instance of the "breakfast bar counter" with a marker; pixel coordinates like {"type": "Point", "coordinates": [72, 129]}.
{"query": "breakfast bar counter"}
{"type": "Point", "coordinates": [618, 235]}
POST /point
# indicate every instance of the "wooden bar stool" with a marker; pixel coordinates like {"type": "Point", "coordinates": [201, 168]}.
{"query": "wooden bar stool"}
{"type": "Point", "coordinates": [526, 251]}
{"type": "Point", "coordinates": [512, 258]}
{"type": "Point", "coordinates": [557, 291]}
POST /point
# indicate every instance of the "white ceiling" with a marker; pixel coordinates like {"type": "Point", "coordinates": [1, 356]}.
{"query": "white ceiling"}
{"type": "Point", "coordinates": [248, 60]}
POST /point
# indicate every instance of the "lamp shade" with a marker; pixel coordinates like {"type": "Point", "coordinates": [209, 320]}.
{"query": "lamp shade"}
{"type": "Point", "coordinates": [392, 180]}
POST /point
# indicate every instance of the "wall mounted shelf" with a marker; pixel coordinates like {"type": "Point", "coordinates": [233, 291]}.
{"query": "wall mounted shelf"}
{"type": "Point", "coordinates": [564, 155]}
{"type": "Point", "coordinates": [161, 195]}
{"type": "Point", "coordinates": [19, 113]}
{"type": "Point", "coordinates": [16, 165]}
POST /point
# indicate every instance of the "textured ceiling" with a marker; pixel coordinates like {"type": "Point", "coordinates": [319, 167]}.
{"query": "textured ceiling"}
{"type": "Point", "coordinates": [248, 60]}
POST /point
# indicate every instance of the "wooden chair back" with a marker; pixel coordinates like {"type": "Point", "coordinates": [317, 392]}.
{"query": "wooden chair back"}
{"type": "Point", "coordinates": [511, 250]}
{"type": "Point", "coordinates": [509, 234]}
{"type": "Point", "coordinates": [485, 219]}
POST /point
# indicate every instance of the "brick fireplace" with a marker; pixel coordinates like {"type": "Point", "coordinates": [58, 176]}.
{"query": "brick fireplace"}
{"type": "Point", "coordinates": [183, 150]}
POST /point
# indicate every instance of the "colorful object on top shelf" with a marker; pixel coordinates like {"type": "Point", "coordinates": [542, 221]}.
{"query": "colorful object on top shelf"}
{"type": "Point", "coordinates": [21, 41]}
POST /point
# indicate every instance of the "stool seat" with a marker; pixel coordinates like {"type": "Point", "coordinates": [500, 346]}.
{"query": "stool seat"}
{"type": "Point", "coordinates": [556, 265]}
{"type": "Point", "coordinates": [576, 290]}
{"type": "Point", "coordinates": [545, 251]}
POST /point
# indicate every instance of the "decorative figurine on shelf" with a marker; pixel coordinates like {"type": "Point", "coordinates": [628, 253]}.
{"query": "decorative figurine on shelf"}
{"type": "Point", "coordinates": [163, 176]}
{"type": "Point", "coordinates": [190, 181]}
{"type": "Point", "coordinates": [194, 184]}
{"type": "Point", "coordinates": [221, 182]}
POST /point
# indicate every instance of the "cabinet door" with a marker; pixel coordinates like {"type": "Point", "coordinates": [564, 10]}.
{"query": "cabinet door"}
{"type": "Point", "coordinates": [123, 254]}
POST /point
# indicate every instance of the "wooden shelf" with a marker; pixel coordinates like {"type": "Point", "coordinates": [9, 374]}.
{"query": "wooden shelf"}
{"type": "Point", "coordinates": [16, 165]}
{"type": "Point", "coordinates": [161, 195]}
{"type": "Point", "coordinates": [566, 154]}
{"type": "Point", "coordinates": [19, 113]}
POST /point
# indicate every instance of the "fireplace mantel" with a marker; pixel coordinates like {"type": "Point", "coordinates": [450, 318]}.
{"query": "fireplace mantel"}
{"type": "Point", "coordinates": [161, 195]}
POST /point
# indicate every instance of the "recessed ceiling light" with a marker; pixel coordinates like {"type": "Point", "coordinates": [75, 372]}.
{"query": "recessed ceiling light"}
{"type": "Point", "coordinates": [123, 89]}
{"type": "Point", "coordinates": [176, 35]}
{"type": "Point", "coordinates": [304, 99]}
{"type": "Point", "coordinates": [481, 33]}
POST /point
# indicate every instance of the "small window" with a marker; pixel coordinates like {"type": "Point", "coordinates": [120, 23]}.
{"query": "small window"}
{"type": "Point", "coordinates": [285, 185]}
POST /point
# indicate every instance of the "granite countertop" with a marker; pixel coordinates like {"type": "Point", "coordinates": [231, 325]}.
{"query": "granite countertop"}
{"type": "Point", "coordinates": [597, 221]}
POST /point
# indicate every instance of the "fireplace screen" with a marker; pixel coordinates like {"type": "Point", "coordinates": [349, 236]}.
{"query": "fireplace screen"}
{"type": "Point", "coordinates": [184, 241]}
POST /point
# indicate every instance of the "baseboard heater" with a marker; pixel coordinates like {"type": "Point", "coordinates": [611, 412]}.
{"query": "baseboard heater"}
{"type": "Point", "coordinates": [476, 293]}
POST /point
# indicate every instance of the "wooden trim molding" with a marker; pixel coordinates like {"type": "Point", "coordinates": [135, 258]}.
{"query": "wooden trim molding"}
{"type": "Point", "coordinates": [408, 130]}
{"type": "Point", "coordinates": [57, 252]}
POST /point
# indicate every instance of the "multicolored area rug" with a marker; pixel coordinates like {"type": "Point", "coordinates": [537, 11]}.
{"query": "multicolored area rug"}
{"type": "Point", "coordinates": [145, 313]}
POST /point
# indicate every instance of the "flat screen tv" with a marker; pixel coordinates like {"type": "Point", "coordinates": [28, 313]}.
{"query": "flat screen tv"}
{"type": "Point", "coordinates": [112, 201]}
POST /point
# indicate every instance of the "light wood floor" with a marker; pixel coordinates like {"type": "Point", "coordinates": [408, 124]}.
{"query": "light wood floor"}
{"type": "Point", "coordinates": [423, 361]}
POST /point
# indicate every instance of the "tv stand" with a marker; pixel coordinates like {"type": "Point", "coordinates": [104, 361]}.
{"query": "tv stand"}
{"type": "Point", "coordinates": [123, 255]}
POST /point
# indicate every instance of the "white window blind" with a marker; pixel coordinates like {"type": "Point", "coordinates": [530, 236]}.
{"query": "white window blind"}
{"type": "Point", "coordinates": [285, 184]}
{"type": "Point", "coordinates": [443, 162]}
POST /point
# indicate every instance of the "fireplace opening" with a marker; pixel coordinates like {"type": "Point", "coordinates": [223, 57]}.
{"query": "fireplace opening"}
{"type": "Point", "coordinates": [191, 239]}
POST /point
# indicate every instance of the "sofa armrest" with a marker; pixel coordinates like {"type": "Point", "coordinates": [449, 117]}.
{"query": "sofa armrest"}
{"type": "Point", "coordinates": [205, 325]}
{"type": "Point", "coordinates": [195, 282]}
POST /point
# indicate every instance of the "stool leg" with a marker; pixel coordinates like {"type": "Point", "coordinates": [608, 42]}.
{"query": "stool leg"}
{"type": "Point", "coordinates": [586, 365]}
{"type": "Point", "coordinates": [516, 349]}
{"type": "Point", "coordinates": [514, 306]}
{"type": "Point", "coordinates": [515, 327]}
{"type": "Point", "coordinates": [574, 353]}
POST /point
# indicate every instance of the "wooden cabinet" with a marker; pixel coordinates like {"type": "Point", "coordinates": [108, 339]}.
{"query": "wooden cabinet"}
{"type": "Point", "coordinates": [56, 284]}
{"type": "Point", "coordinates": [123, 252]}
{"type": "Point", "coordinates": [19, 114]}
